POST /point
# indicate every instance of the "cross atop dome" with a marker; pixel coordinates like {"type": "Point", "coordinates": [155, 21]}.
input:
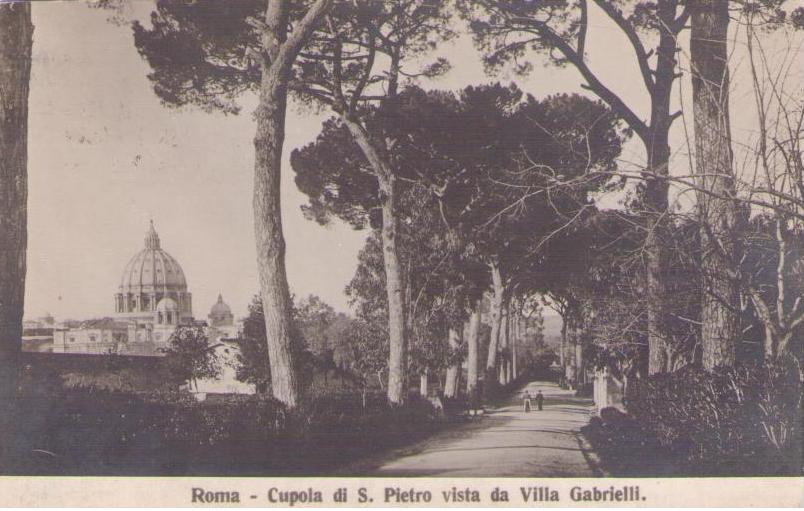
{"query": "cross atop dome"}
{"type": "Point", "coordinates": [152, 238]}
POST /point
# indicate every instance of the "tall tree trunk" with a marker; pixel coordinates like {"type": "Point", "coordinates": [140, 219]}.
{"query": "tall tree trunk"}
{"type": "Point", "coordinates": [570, 370]}
{"type": "Point", "coordinates": [16, 41]}
{"type": "Point", "coordinates": [454, 370]}
{"type": "Point", "coordinates": [280, 53]}
{"type": "Point", "coordinates": [397, 362]}
{"type": "Point", "coordinates": [504, 342]}
{"type": "Point", "coordinates": [514, 343]}
{"type": "Point", "coordinates": [655, 265]}
{"type": "Point", "coordinates": [717, 212]}
{"type": "Point", "coordinates": [562, 354]}
{"type": "Point", "coordinates": [472, 345]}
{"type": "Point", "coordinates": [423, 383]}
{"type": "Point", "coordinates": [656, 305]}
{"type": "Point", "coordinates": [490, 377]}
{"type": "Point", "coordinates": [270, 241]}
{"type": "Point", "coordinates": [508, 342]}
{"type": "Point", "coordinates": [657, 147]}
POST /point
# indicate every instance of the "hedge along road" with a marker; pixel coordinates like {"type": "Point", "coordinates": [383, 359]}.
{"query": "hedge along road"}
{"type": "Point", "coordinates": [506, 442]}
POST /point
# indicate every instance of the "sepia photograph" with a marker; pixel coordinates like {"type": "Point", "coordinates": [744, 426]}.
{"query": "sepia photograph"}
{"type": "Point", "coordinates": [534, 239]}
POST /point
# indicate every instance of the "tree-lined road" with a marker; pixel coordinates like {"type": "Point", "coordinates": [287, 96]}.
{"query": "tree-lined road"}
{"type": "Point", "coordinates": [506, 442]}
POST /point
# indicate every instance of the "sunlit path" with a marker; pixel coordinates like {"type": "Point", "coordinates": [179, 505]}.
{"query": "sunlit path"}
{"type": "Point", "coordinates": [507, 442]}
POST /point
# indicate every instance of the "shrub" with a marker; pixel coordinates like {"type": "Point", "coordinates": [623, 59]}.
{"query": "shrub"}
{"type": "Point", "coordinates": [97, 431]}
{"type": "Point", "coordinates": [743, 420]}
{"type": "Point", "coordinates": [623, 444]}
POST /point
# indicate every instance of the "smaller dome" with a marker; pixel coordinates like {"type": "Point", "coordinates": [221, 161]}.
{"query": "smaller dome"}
{"type": "Point", "coordinates": [167, 305]}
{"type": "Point", "coordinates": [220, 307]}
{"type": "Point", "coordinates": [221, 314]}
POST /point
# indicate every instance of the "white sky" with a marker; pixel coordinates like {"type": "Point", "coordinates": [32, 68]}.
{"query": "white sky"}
{"type": "Point", "coordinates": [106, 156]}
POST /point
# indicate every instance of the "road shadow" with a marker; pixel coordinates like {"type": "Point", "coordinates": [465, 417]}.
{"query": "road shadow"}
{"type": "Point", "coordinates": [371, 465]}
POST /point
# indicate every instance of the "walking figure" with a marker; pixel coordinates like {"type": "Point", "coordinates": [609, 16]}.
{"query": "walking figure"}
{"type": "Point", "coordinates": [526, 401]}
{"type": "Point", "coordinates": [539, 400]}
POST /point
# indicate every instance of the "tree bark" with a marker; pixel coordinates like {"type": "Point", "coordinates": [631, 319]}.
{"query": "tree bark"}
{"type": "Point", "coordinates": [570, 370]}
{"type": "Point", "coordinates": [504, 343]}
{"type": "Point", "coordinates": [271, 243]}
{"type": "Point", "coordinates": [508, 342]}
{"type": "Point", "coordinates": [472, 341]}
{"type": "Point", "coordinates": [397, 361]}
{"type": "Point", "coordinates": [490, 377]}
{"type": "Point", "coordinates": [423, 381]}
{"type": "Point", "coordinates": [280, 52]}
{"type": "Point", "coordinates": [768, 344]}
{"type": "Point", "coordinates": [376, 152]}
{"type": "Point", "coordinates": [717, 212]}
{"type": "Point", "coordinates": [454, 370]}
{"type": "Point", "coordinates": [657, 147]}
{"type": "Point", "coordinates": [16, 42]}
{"type": "Point", "coordinates": [562, 354]}
{"type": "Point", "coordinates": [514, 343]}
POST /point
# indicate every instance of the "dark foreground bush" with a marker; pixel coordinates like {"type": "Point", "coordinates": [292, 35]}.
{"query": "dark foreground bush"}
{"type": "Point", "coordinates": [739, 421]}
{"type": "Point", "coordinates": [625, 447]}
{"type": "Point", "coordinates": [95, 432]}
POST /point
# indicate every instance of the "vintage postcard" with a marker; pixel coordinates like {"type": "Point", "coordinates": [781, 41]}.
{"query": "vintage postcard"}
{"type": "Point", "coordinates": [406, 253]}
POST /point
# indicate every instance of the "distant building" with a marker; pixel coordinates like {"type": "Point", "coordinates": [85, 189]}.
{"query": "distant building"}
{"type": "Point", "coordinates": [221, 321]}
{"type": "Point", "coordinates": [226, 382]}
{"type": "Point", "coordinates": [151, 277]}
{"type": "Point", "coordinates": [95, 336]}
{"type": "Point", "coordinates": [37, 334]}
{"type": "Point", "coordinates": [222, 332]}
{"type": "Point", "coordinates": [43, 322]}
{"type": "Point", "coordinates": [151, 302]}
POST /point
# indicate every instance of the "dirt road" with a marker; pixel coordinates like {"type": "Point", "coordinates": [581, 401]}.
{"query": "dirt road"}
{"type": "Point", "coordinates": [506, 442]}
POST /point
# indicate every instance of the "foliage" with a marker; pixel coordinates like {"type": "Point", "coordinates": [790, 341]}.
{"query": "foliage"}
{"type": "Point", "coordinates": [253, 365]}
{"type": "Point", "coordinates": [738, 421]}
{"type": "Point", "coordinates": [202, 53]}
{"type": "Point", "coordinates": [356, 61]}
{"type": "Point", "coordinates": [197, 51]}
{"type": "Point", "coordinates": [366, 352]}
{"type": "Point", "coordinates": [475, 152]}
{"type": "Point", "coordinates": [537, 356]}
{"type": "Point", "coordinates": [318, 331]}
{"type": "Point", "coordinates": [116, 433]}
{"type": "Point", "coordinates": [189, 355]}
{"type": "Point", "coordinates": [625, 447]}
{"type": "Point", "coordinates": [768, 243]}
{"type": "Point", "coordinates": [729, 412]}
{"type": "Point", "coordinates": [313, 318]}
{"type": "Point", "coordinates": [607, 284]}
{"type": "Point", "coordinates": [476, 174]}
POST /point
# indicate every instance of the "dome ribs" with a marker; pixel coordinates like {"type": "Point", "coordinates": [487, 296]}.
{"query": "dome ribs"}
{"type": "Point", "coordinates": [151, 277]}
